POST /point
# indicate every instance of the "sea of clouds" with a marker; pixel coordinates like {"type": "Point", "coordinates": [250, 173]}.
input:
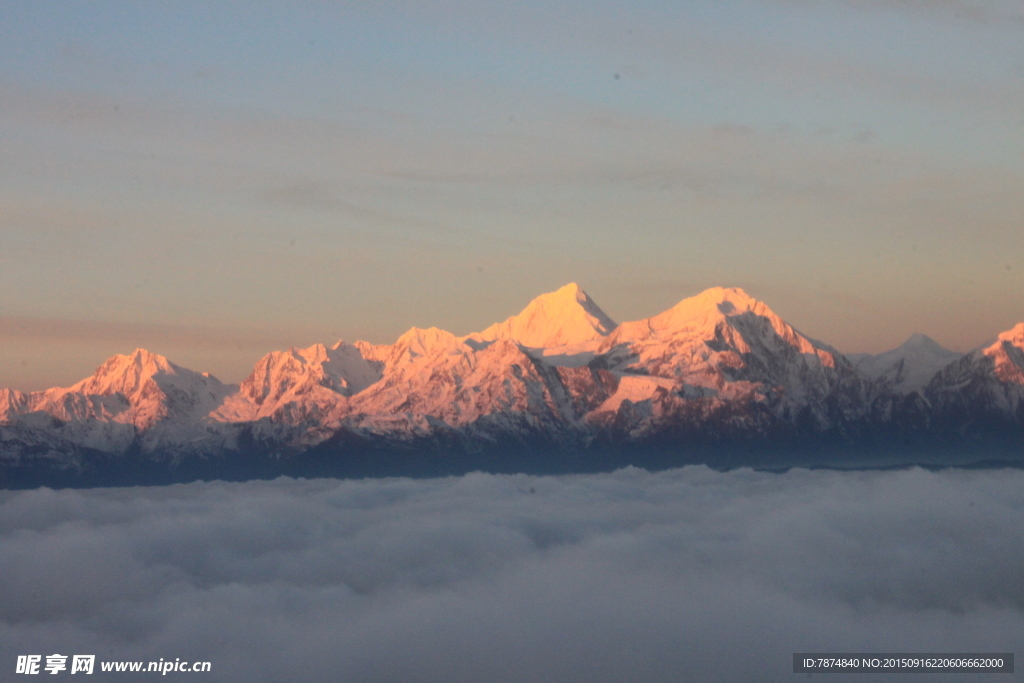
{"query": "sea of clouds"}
{"type": "Point", "coordinates": [689, 574]}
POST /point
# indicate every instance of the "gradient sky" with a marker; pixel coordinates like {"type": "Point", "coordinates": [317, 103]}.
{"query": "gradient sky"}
{"type": "Point", "coordinates": [215, 180]}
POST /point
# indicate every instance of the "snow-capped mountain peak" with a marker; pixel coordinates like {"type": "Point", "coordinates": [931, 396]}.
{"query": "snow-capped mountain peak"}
{"type": "Point", "coordinates": [565, 317]}
{"type": "Point", "coordinates": [140, 389]}
{"type": "Point", "coordinates": [11, 403]}
{"type": "Point", "coordinates": [126, 374]}
{"type": "Point", "coordinates": [704, 316]}
{"type": "Point", "coordinates": [1008, 355]}
{"type": "Point", "coordinates": [418, 342]}
{"type": "Point", "coordinates": [723, 345]}
{"type": "Point", "coordinates": [726, 301]}
{"type": "Point", "coordinates": [986, 383]}
{"type": "Point", "coordinates": [300, 383]}
{"type": "Point", "coordinates": [1014, 336]}
{"type": "Point", "coordinates": [908, 367]}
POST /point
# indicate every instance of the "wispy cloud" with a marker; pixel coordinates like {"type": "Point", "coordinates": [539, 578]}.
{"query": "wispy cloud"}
{"type": "Point", "coordinates": [119, 333]}
{"type": "Point", "coordinates": [323, 196]}
{"type": "Point", "coordinates": [991, 12]}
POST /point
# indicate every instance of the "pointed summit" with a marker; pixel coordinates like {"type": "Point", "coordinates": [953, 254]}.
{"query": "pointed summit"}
{"type": "Point", "coordinates": [910, 366]}
{"type": "Point", "coordinates": [567, 316]}
{"type": "Point", "coordinates": [918, 340]}
{"type": "Point", "coordinates": [917, 344]}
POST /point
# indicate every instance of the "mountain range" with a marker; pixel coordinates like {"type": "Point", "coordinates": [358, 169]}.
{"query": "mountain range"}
{"type": "Point", "coordinates": [718, 378]}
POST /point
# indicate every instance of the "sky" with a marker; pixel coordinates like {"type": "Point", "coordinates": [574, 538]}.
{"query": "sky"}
{"type": "Point", "coordinates": [686, 574]}
{"type": "Point", "coordinates": [213, 181]}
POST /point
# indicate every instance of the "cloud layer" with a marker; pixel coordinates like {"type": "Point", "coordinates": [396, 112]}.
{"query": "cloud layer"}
{"type": "Point", "coordinates": [688, 574]}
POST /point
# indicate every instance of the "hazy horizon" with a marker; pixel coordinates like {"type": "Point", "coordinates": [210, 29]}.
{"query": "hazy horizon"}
{"type": "Point", "coordinates": [96, 335]}
{"type": "Point", "coordinates": [213, 182]}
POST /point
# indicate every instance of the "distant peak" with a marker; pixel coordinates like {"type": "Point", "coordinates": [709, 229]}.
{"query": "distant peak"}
{"type": "Point", "coordinates": [923, 341]}
{"type": "Point", "coordinates": [420, 333]}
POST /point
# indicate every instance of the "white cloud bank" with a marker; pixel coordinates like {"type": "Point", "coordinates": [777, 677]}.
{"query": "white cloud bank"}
{"type": "Point", "coordinates": [682, 575]}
